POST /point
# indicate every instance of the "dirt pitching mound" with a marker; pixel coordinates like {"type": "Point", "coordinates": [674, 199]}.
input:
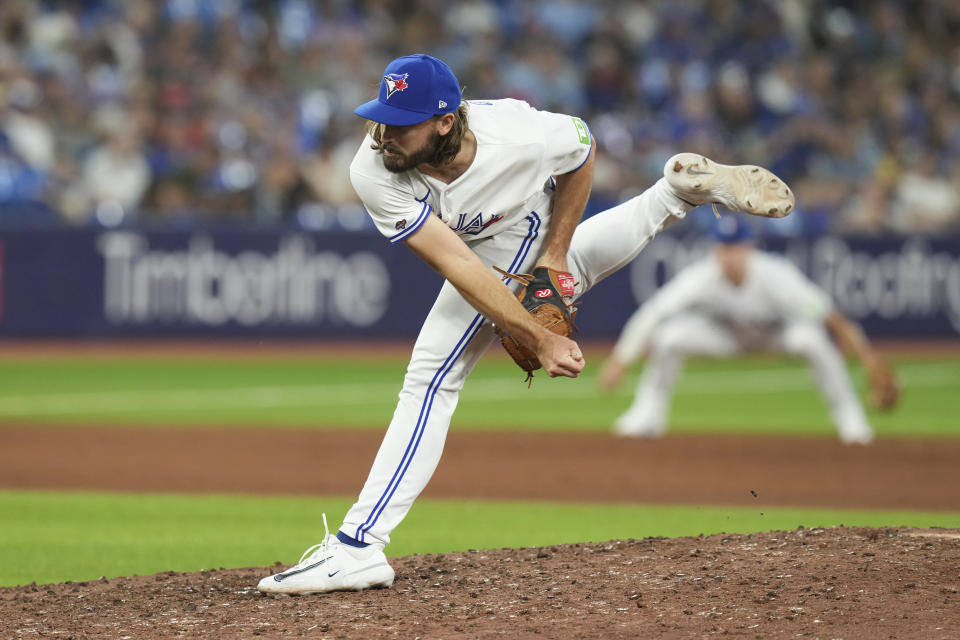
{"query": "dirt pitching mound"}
{"type": "Point", "coordinates": [826, 583]}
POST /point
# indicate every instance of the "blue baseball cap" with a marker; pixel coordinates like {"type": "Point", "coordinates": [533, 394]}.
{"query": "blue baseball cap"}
{"type": "Point", "coordinates": [413, 89]}
{"type": "Point", "coordinates": [731, 229]}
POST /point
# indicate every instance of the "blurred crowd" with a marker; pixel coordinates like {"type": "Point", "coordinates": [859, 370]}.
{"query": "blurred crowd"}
{"type": "Point", "coordinates": [183, 112]}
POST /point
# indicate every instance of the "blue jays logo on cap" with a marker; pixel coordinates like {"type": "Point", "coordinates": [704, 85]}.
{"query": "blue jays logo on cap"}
{"type": "Point", "coordinates": [418, 87]}
{"type": "Point", "coordinates": [395, 82]}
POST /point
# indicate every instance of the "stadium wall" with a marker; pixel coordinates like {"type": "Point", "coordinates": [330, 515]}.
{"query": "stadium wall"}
{"type": "Point", "coordinates": [275, 284]}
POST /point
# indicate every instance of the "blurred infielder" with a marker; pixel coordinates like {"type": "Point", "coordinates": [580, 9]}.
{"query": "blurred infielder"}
{"type": "Point", "coordinates": [738, 299]}
{"type": "Point", "coordinates": [468, 187]}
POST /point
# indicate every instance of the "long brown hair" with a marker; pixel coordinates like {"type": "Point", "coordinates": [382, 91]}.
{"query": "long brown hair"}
{"type": "Point", "coordinates": [449, 145]}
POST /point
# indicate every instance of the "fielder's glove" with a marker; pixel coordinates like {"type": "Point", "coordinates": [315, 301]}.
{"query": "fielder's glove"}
{"type": "Point", "coordinates": [884, 388]}
{"type": "Point", "coordinates": [545, 295]}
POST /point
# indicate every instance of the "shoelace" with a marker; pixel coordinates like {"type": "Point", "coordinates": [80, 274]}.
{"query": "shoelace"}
{"type": "Point", "coordinates": [319, 548]}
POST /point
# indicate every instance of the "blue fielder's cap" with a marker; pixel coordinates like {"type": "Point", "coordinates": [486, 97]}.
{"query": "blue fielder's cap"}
{"type": "Point", "coordinates": [413, 89]}
{"type": "Point", "coordinates": [731, 229]}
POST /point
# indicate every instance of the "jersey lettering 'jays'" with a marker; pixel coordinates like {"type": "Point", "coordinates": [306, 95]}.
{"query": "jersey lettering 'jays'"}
{"type": "Point", "coordinates": [476, 225]}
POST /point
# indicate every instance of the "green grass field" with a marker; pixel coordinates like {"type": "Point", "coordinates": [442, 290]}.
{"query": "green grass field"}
{"type": "Point", "coordinates": [50, 537]}
{"type": "Point", "coordinates": [322, 392]}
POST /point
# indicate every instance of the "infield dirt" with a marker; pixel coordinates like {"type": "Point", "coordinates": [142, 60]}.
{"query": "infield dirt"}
{"type": "Point", "coordinates": [919, 474]}
{"type": "Point", "coordinates": [816, 583]}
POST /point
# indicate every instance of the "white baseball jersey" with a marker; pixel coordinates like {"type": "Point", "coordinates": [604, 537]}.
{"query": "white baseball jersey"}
{"type": "Point", "coordinates": [700, 312]}
{"type": "Point", "coordinates": [773, 293]}
{"type": "Point", "coordinates": [519, 149]}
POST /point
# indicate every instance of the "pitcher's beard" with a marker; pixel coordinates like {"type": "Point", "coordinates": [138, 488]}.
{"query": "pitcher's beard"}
{"type": "Point", "coordinates": [402, 162]}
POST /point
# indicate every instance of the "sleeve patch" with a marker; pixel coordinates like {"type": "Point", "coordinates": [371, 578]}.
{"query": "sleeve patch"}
{"type": "Point", "coordinates": [582, 131]}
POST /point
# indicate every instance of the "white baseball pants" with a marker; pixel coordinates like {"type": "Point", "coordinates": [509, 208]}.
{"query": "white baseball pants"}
{"type": "Point", "coordinates": [455, 335]}
{"type": "Point", "coordinates": [695, 334]}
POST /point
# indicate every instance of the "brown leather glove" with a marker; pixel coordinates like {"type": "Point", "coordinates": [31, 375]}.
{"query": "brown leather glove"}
{"type": "Point", "coordinates": [545, 294]}
{"type": "Point", "coordinates": [884, 387]}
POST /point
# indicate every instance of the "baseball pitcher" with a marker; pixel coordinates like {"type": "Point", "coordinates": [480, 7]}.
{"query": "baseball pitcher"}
{"type": "Point", "coordinates": [489, 193]}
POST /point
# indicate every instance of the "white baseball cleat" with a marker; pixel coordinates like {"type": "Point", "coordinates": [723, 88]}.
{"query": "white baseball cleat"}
{"type": "Point", "coordinates": [624, 426]}
{"type": "Point", "coordinates": [852, 425]}
{"type": "Point", "coordinates": [856, 437]}
{"type": "Point", "coordinates": [698, 180]}
{"type": "Point", "coordinates": [332, 566]}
